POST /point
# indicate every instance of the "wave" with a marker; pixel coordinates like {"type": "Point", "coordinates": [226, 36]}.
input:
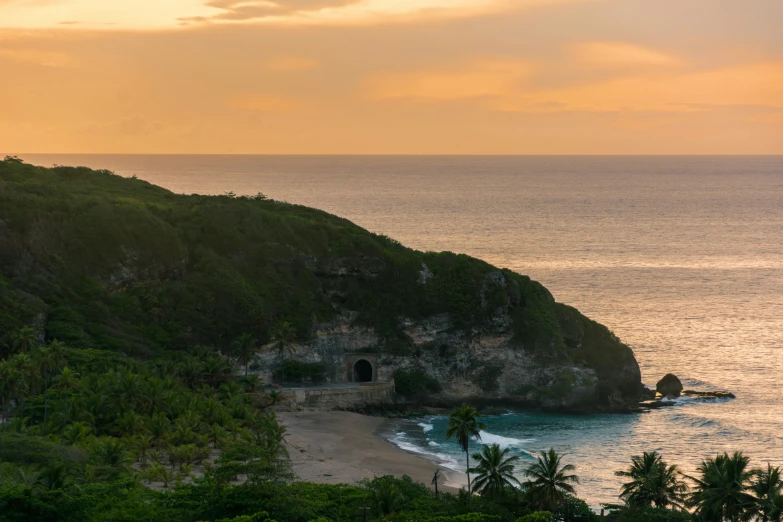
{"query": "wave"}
{"type": "Point", "coordinates": [426, 427]}
{"type": "Point", "coordinates": [443, 459]}
{"type": "Point", "coordinates": [503, 442]}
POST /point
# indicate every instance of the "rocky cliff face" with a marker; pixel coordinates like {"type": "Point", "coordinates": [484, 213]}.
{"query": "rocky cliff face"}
{"type": "Point", "coordinates": [487, 365]}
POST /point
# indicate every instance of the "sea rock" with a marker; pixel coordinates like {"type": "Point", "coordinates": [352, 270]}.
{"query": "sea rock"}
{"type": "Point", "coordinates": [647, 393]}
{"type": "Point", "coordinates": [669, 386]}
{"type": "Point", "coordinates": [709, 394]}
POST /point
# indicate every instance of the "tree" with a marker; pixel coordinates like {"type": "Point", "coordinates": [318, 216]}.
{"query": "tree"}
{"type": "Point", "coordinates": [245, 347]}
{"type": "Point", "coordinates": [67, 381]}
{"type": "Point", "coordinates": [721, 491]}
{"type": "Point", "coordinates": [653, 483]}
{"type": "Point", "coordinates": [25, 340]}
{"type": "Point", "coordinates": [284, 335]}
{"type": "Point", "coordinates": [76, 433]}
{"type": "Point", "coordinates": [53, 476]}
{"type": "Point", "coordinates": [550, 482]}
{"type": "Point", "coordinates": [464, 423]}
{"type": "Point", "coordinates": [58, 353]}
{"type": "Point", "coordinates": [767, 486]}
{"type": "Point", "coordinates": [495, 471]}
{"type": "Point", "coordinates": [45, 362]}
{"type": "Point", "coordinates": [387, 497]}
{"type": "Point", "coordinates": [128, 388]}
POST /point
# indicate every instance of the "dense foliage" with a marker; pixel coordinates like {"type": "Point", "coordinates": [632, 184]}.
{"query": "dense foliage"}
{"type": "Point", "coordinates": [129, 317]}
{"type": "Point", "coordinates": [98, 261]}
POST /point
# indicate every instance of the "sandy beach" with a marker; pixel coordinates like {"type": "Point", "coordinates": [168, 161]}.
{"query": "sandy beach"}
{"type": "Point", "coordinates": [336, 447]}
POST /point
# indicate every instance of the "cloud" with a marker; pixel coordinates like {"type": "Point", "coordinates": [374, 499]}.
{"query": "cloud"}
{"type": "Point", "coordinates": [36, 57]}
{"type": "Point", "coordinates": [753, 84]}
{"type": "Point", "coordinates": [172, 14]}
{"type": "Point", "coordinates": [351, 12]}
{"type": "Point", "coordinates": [613, 55]}
{"type": "Point", "coordinates": [513, 86]}
{"type": "Point", "coordinates": [237, 10]}
{"type": "Point", "coordinates": [479, 80]}
{"type": "Point", "coordinates": [289, 63]}
{"type": "Point", "coordinates": [262, 103]}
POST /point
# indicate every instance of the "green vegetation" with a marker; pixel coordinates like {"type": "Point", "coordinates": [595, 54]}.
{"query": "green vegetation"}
{"type": "Point", "coordinates": [494, 471]}
{"type": "Point", "coordinates": [652, 483]}
{"type": "Point", "coordinates": [98, 261]}
{"type": "Point", "coordinates": [550, 483]}
{"type": "Point", "coordinates": [464, 424]}
{"type": "Point", "coordinates": [297, 371]}
{"type": "Point", "coordinates": [129, 320]}
{"type": "Point", "coordinates": [414, 383]}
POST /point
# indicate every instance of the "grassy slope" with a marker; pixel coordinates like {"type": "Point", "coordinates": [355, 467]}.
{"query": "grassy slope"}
{"type": "Point", "coordinates": [118, 263]}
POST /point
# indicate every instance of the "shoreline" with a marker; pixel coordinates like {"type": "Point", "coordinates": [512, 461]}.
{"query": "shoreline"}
{"type": "Point", "coordinates": [339, 447]}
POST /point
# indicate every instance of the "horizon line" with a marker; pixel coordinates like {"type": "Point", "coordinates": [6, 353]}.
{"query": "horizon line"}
{"type": "Point", "coordinates": [309, 154]}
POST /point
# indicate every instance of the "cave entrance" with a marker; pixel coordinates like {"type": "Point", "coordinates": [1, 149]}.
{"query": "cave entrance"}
{"type": "Point", "coordinates": [362, 371]}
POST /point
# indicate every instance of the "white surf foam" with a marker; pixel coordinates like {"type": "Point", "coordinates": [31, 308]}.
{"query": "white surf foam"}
{"type": "Point", "coordinates": [443, 459]}
{"type": "Point", "coordinates": [503, 442]}
{"type": "Point", "coordinates": [426, 427]}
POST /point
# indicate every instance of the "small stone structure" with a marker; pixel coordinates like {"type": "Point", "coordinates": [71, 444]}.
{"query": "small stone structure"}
{"type": "Point", "coordinates": [345, 396]}
{"type": "Point", "coordinates": [361, 367]}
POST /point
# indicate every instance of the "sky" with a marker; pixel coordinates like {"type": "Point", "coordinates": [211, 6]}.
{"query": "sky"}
{"type": "Point", "coordinates": [392, 76]}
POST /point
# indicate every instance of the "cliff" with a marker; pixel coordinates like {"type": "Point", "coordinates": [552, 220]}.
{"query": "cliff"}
{"type": "Point", "coordinates": [96, 260]}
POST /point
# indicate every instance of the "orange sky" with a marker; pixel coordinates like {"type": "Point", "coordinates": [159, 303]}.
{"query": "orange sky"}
{"type": "Point", "coordinates": [392, 76]}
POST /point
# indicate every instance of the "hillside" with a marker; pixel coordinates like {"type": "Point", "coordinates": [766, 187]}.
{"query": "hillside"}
{"type": "Point", "coordinates": [95, 260]}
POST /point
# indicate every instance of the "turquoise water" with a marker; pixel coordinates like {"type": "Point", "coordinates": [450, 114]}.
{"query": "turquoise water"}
{"type": "Point", "coordinates": [682, 257]}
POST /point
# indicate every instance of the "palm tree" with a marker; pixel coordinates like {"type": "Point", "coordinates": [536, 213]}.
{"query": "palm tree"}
{"type": "Point", "coordinates": [387, 497]}
{"type": "Point", "coordinates": [217, 370]}
{"type": "Point", "coordinates": [284, 335]}
{"type": "Point", "coordinates": [45, 361]}
{"type": "Point", "coordinates": [767, 486]}
{"type": "Point", "coordinates": [76, 432]}
{"type": "Point", "coordinates": [494, 472]}
{"type": "Point", "coordinates": [191, 371]}
{"type": "Point", "coordinates": [464, 423]}
{"type": "Point", "coordinates": [22, 372]}
{"type": "Point", "coordinates": [653, 483]}
{"type": "Point", "coordinates": [58, 353]}
{"type": "Point", "coordinates": [25, 340]}
{"type": "Point", "coordinates": [245, 347]}
{"type": "Point", "coordinates": [67, 380]}
{"type": "Point", "coordinates": [721, 491]}
{"type": "Point", "coordinates": [549, 482]}
{"type": "Point", "coordinates": [129, 389]}
{"type": "Point", "coordinates": [53, 476]}
{"type": "Point", "coordinates": [110, 452]}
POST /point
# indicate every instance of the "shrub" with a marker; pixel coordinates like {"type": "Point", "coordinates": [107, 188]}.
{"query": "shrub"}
{"type": "Point", "coordinates": [538, 516]}
{"type": "Point", "coordinates": [414, 383]}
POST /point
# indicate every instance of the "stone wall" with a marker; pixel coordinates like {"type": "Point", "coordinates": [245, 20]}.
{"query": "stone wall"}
{"type": "Point", "coordinates": [331, 398]}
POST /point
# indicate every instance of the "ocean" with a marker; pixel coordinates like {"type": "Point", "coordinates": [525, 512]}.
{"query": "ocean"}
{"type": "Point", "coordinates": [682, 257]}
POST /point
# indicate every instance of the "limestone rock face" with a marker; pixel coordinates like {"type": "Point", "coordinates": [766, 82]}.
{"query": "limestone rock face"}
{"type": "Point", "coordinates": [589, 370]}
{"type": "Point", "coordinates": [669, 386]}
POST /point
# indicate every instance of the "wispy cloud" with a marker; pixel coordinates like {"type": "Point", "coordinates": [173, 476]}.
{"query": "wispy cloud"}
{"type": "Point", "coordinates": [36, 57]}
{"type": "Point", "coordinates": [486, 79]}
{"type": "Point", "coordinates": [289, 63]}
{"type": "Point", "coordinates": [172, 14]}
{"type": "Point", "coordinates": [512, 86]}
{"type": "Point", "coordinates": [615, 55]}
{"type": "Point", "coordinates": [263, 103]}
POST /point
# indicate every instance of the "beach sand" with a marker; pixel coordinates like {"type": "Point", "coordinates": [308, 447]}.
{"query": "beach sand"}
{"type": "Point", "coordinates": [338, 447]}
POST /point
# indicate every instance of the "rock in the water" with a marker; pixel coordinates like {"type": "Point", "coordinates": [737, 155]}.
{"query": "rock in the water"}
{"type": "Point", "coordinates": [669, 386]}
{"type": "Point", "coordinates": [647, 393]}
{"type": "Point", "coordinates": [709, 394]}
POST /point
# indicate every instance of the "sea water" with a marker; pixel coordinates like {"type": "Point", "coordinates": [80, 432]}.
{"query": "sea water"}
{"type": "Point", "coordinates": [682, 257]}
